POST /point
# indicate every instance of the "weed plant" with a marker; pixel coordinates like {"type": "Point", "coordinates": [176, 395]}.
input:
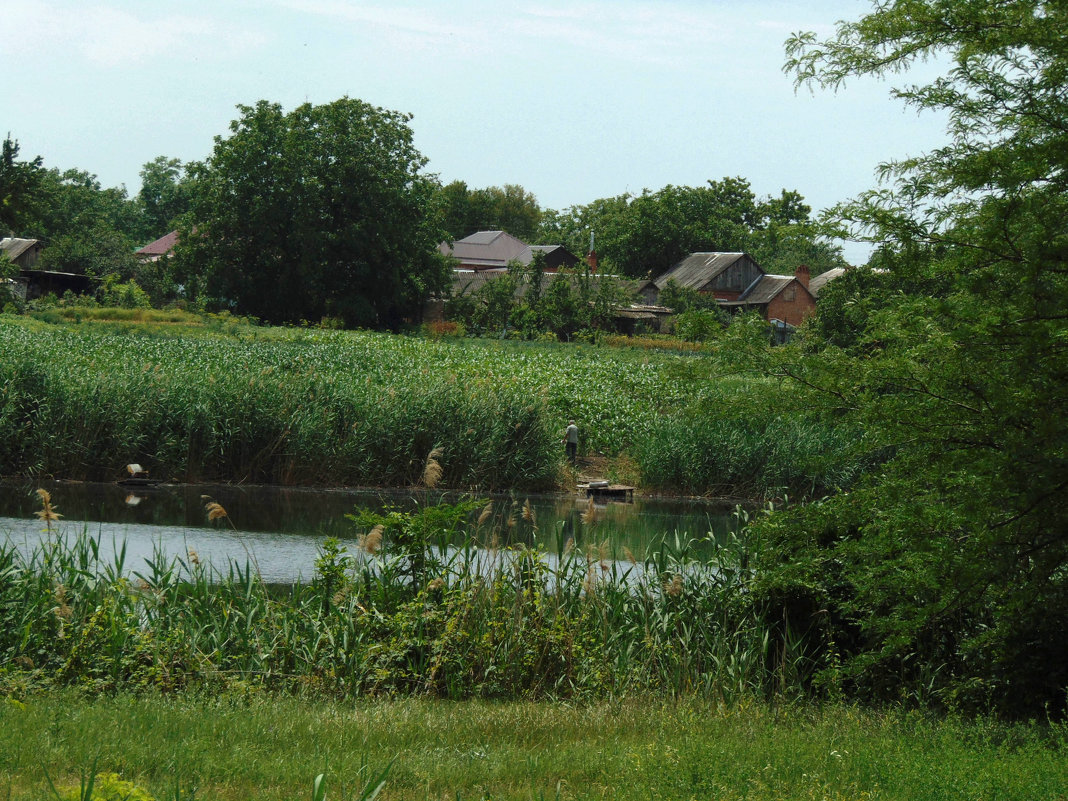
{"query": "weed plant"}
{"type": "Point", "coordinates": [422, 608]}
{"type": "Point", "coordinates": [229, 402]}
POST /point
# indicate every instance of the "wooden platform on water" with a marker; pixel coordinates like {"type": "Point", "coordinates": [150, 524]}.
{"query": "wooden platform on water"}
{"type": "Point", "coordinates": [609, 492]}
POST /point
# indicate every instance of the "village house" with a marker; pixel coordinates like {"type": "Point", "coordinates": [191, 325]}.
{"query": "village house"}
{"type": "Point", "coordinates": [32, 283]}
{"type": "Point", "coordinates": [740, 284]}
{"type": "Point", "coordinates": [493, 250]}
{"type": "Point", "coordinates": [159, 249]}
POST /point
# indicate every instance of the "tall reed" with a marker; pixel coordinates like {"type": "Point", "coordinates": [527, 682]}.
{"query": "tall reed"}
{"type": "Point", "coordinates": [473, 621]}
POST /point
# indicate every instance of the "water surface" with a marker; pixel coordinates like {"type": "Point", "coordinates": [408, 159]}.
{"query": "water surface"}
{"type": "Point", "coordinates": [279, 530]}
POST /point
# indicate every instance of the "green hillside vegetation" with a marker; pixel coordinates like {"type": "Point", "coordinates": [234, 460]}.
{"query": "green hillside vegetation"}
{"type": "Point", "coordinates": [222, 401]}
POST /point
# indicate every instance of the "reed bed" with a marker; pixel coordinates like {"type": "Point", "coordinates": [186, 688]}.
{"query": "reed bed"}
{"type": "Point", "coordinates": [305, 406]}
{"type": "Point", "coordinates": [421, 608]}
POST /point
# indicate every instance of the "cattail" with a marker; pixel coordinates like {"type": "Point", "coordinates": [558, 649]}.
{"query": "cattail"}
{"type": "Point", "coordinates": [432, 472]}
{"type": "Point", "coordinates": [371, 542]}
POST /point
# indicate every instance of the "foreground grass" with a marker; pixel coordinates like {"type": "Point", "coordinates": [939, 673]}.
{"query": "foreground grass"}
{"type": "Point", "coordinates": [271, 748]}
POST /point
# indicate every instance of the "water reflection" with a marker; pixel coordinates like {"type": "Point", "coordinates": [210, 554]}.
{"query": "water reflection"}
{"type": "Point", "coordinates": [278, 530]}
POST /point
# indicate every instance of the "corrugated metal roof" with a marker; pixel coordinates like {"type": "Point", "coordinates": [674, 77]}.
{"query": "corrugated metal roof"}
{"type": "Point", "coordinates": [494, 249]}
{"type": "Point", "coordinates": [821, 280]}
{"type": "Point", "coordinates": [487, 249]}
{"type": "Point", "coordinates": [697, 269]}
{"type": "Point", "coordinates": [15, 247]}
{"type": "Point", "coordinates": [763, 290]}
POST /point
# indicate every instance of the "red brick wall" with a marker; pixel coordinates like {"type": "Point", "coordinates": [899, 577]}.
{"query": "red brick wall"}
{"type": "Point", "coordinates": [793, 305]}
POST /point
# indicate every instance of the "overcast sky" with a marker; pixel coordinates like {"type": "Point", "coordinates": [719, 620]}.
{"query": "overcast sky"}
{"type": "Point", "coordinates": [572, 100]}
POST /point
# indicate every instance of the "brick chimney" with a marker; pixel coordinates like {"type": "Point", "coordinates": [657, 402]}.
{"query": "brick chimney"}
{"type": "Point", "coordinates": [801, 274]}
{"type": "Point", "coordinates": [591, 259]}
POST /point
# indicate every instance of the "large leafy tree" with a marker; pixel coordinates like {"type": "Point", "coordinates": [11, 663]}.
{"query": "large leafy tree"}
{"type": "Point", "coordinates": [646, 234]}
{"type": "Point", "coordinates": [508, 208]}
{"type": "Point", "coordinates": [945, 573]}
{"type": "Point", "coordinates": [164, 195]}
{"type": "Point", "coordinates": [18, 183]}
{"type": "Point", "coordinates": [323, 211]}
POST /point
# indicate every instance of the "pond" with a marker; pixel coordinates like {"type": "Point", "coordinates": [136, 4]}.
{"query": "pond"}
{"type": "Point", "coordinates": [280, 529]}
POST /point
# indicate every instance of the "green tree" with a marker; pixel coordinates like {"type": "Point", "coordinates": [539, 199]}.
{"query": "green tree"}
{"type": "Point", "coordinates": [164, 195]}
{"type": "Point", "coordinates": [508, 208]}
{"type": "Point", "coordinates": [945, 573]}
{"type": "Point", "coordinates": [324, 211]}
{"type": "Point", "coordinates": [18, 184]}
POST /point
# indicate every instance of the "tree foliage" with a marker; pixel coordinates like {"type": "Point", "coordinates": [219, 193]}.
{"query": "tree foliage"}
{"type": "Point", "coordinates": [946, 574]}
{"type": "Point", "coordinates": [164, 195]}
{"type": "Point", "coordinates": [18, 183]}
{"type": "Point", "coordinates": [648, 233]}
{"type": "Point", "coordinates": [508, 208]}
{"type": "Point", "coordinates": [323, 211]}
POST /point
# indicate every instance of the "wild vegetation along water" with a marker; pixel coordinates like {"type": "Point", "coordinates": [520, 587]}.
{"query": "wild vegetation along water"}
{"type": "Point", "coordinates": [282, 528]}
{"type": "Point", "coordinates": [356, 408]}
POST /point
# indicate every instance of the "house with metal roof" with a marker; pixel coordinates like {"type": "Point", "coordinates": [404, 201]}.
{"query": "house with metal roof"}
{"type": "Point", "coordinates": [493, 250]}
{"type": "Point", "coordinates": [738, 283]}
{"type": "Point", "coordinates": [821, 280]}
{"type": "Point", "coordinates": [24, 252]}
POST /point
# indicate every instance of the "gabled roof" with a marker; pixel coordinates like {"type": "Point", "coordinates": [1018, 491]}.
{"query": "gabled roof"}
{"type": "Point", "coordinates": [492, 250]}
{"type": "Point", "coordinates": [821, 280]}
{"type": "Point", "coordinates": [763, 290]}
{"type": "Point", "coordinates": [12, 247]}
{"type": "Point", "coordinates": [697, 269]}
{"type": "Point", "coordinates": [161, 247]}
{"type": "Point", "coordinates": [486, 249]}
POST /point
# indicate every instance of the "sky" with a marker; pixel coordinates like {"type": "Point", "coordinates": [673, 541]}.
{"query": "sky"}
{"type": "Point", "coordinates": [573, 100]}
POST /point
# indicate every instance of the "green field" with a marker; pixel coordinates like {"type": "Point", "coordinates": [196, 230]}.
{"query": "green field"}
{"type": "Point", "coordinates": [222, 401]}
{"type": "Point", "coordinates": [254, 747]}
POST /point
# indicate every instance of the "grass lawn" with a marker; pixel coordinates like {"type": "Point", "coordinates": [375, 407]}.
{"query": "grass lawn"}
{"type": "Point", "coordinates": [258, 747]}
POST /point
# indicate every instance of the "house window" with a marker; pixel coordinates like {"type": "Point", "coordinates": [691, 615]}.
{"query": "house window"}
{"type": "Point", "coordinates": [789, 294]}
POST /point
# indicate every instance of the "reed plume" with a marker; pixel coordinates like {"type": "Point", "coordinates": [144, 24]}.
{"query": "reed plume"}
{"type": "Point", "coordinates": [589, 517]}
{"type": "Point", "coordinates": [487, 512]}
{"type": "Point", "coordinates": [432, 472]}
{"type": "Point", "coordinates": [216, 511]}
{"type": "Point", "coordinates": [47, 512]}
{"type": "Point", "coordinates": [371, 542]}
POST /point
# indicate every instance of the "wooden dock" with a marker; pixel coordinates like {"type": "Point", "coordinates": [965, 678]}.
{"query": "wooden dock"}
{"type": "Point", "coordinates": [603, 491]}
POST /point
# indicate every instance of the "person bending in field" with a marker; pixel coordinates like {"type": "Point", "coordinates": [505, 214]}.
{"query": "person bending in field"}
{"type": "Point", "coordinates": [571, 442]}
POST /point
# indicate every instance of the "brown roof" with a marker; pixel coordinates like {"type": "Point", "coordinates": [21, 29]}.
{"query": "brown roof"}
{"type": "Point", "coordinates": [161, 247]}
{"type": "Point", "coordinates": [697, 269]}
{"type": "Point", "coordinates": [13, 247]}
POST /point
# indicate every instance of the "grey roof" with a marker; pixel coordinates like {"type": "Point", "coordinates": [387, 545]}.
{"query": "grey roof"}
{"type": "Point", "coordinates": [697, 269]}
{"type": "Point", "coordinates": [487, 249]}
{"type": "Point", "coordinates": [492, 250]}
{"type": "Point", "coordinates": [821, 280]}
{"type": "Point", "coordinates": [765, 288]}
{"type": "Point", "coordinates": [13, 247]}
